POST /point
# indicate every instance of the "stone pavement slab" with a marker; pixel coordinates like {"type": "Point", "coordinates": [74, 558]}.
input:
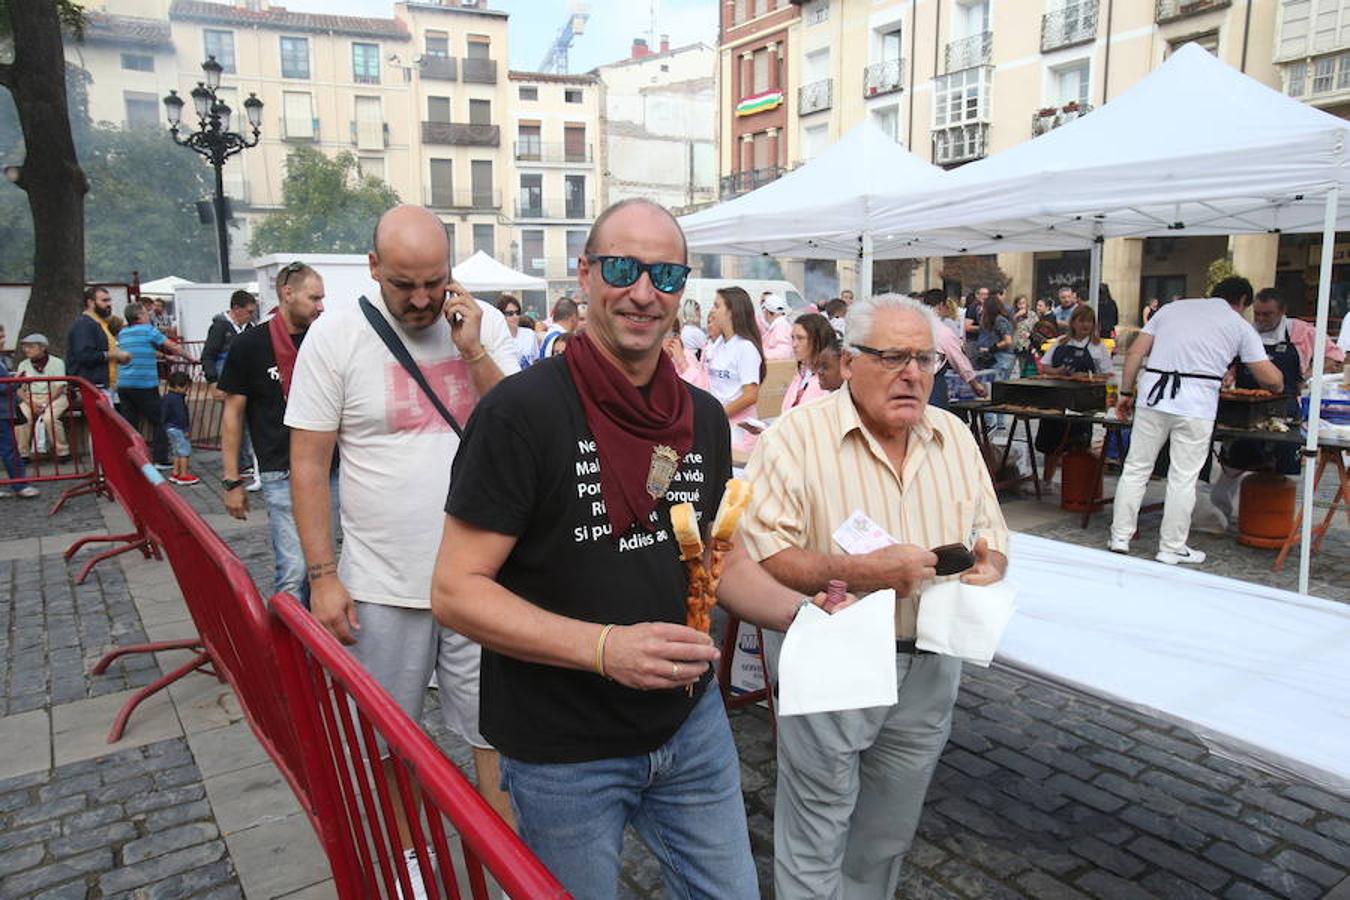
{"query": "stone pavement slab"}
{"type": "Point", "coordinates": [27, 742]}
{"type": "Point", "coordinates": [278, 858]}
{"type": "Point", "coordinates": [254, 795]}
{"type": "Point", "coordinates": [80, 729]}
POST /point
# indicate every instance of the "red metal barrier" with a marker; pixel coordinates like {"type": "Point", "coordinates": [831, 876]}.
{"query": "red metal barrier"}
{"type": "Point", "coordinates": [317, 713]}
{"type": "Point", "coordinates": [112, 437]}
{"type": "Point", "coordinates": [345, 720]}
{"type": "Point", "coordinates": [53, 444]}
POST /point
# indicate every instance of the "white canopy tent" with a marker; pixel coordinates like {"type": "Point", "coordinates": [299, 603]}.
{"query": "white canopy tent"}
{"type": "Point", "coordinates": [481, 272]}
{"type": "Point", "coordinates": [163, 287]}
{"type": "Point", "coordinates": [824, 210]}
{"type": "Point", "coordinates": [1195, 148]}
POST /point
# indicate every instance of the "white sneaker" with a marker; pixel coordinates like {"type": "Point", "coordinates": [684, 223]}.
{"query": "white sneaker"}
{"type": "Point", "coordinates": [419, 891]}
{"type": "Point", "coordinates": [6, 493]}
{"type": "Point", "coordinates": [255, 485]}
{"type": "Point", "coordinates": [1116, 546]}
{"type": "Point", "coordinates": [29, 492]}
{"type": "Point", "coordinates": [1186, 556]}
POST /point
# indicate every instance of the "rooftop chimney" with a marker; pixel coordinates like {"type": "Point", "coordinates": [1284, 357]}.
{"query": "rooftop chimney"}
{"type": "Point", "coordinates": [640, 48]}
{"type": "Point", "coordinates": [665, 43]}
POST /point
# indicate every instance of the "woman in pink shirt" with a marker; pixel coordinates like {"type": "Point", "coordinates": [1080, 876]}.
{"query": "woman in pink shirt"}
{"type": "Point", "coordinates": [811, 334]}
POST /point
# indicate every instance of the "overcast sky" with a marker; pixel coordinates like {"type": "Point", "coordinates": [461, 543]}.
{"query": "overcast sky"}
{"type": "Point", "coordinates": [535, 23]}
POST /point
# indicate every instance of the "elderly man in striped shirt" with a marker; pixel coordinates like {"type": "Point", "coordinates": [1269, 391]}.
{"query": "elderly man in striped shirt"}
{"type": "Point", "coordinates": [851, 784]}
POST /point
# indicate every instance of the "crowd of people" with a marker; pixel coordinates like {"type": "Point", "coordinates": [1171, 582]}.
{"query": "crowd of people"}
{"type": "Point", "coordinates": [500, 490]}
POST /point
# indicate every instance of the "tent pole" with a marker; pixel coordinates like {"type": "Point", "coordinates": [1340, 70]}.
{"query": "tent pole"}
{"type": "Point", "coordinates": [865, 270]}
{"type": "Point", "coordinates": [1315, 398]}
{"type": "Point", "coordinates": [1094, 271]}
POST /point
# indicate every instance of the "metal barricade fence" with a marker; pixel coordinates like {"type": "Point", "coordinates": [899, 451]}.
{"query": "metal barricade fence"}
{"type": "Point", "coordinates": [52, 445]}
{"type": "Point", "coordinates": [346, 720]}
{"type": "Point", "coordinates": [111, 437]}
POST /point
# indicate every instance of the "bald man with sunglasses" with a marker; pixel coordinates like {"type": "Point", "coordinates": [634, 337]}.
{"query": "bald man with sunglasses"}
{"type": "Point", "coordinates": [558, 557]}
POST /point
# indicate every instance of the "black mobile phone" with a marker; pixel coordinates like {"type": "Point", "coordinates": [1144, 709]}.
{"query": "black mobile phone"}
{"type": "Point", "coordinates": [953, 558]}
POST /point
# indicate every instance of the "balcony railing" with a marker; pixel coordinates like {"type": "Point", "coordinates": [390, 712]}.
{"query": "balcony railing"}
{"type": "Point", "coordinates": [816, 96]}
{"type": "Point", "coordinates": [738, 183]}
{"type": "Point", "coordinates": [444, 198]}
{"type": "Point", "coordinates": [1051, 117]}
{"type": "Point", "coordinates": [1069, 25]}
{"type": "Point", "coordinates": [463, 134]}
{"type": "Point", "coordinates": [969, 52]}
{"type": "Point", "coordinates": [555, 209]}
{"type": "Point", "coordinates": [544, 152]}
{"type": "Point", "coordinates": [375, 143]}
{"type": "Point", "coordinates": [441, 68]}
{"type": "Point", "coordinates": [480, 71]}
{"type": "Point", "coordinates": [960, 143]}
{"type": "Point", "coordinates": [1171, 10]}
{"type": "Point", "coordinates": [884, 77]}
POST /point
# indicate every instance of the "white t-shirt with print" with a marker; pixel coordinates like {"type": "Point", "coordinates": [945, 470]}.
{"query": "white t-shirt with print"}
{"type": "Point", "coordinates": [396, 449]}
{"type": "Point", "coordinates": [1201, 337]}
{"type": "Point", "coordinates": [731, 366]}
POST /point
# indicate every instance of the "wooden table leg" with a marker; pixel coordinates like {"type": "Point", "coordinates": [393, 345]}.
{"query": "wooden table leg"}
{"type": "Point", "coordinates": [1295, 531]}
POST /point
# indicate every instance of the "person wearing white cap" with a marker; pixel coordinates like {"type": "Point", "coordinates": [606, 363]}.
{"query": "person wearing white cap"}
{"type": "Point", "coordinates": [44, 401]}
{"type": "Point", "coordinates": [778, 330]}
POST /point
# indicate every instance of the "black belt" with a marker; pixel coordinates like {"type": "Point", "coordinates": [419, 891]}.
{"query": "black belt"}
{"type": "Point", "coordinates": [910, 647]}
{"type": "Point", "coordinates": [1173, 378]}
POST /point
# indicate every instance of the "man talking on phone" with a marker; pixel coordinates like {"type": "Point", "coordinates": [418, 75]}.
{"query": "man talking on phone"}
{"type": "Point", "coordinates": [352, 393]}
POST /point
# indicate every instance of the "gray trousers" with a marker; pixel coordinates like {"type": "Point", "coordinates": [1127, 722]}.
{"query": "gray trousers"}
{"type": "Point", "coordinates": [851, 785]}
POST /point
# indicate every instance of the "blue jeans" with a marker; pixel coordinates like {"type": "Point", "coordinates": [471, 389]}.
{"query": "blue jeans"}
{"type": "Point", "coordinates": [9, 455]}
{"type": "Point", "coordinates": [289, 574]}
{"type": "Point", "coordinates": [684, 800]}
{"type": "Point", "coordinates": [1004, 364]}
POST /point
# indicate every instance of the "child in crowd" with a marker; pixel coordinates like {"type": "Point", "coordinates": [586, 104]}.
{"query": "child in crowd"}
{"type": "Point", "coordinates": [174, 414]}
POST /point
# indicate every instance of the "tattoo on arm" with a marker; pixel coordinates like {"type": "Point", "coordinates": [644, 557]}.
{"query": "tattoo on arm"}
{"type": "Point", "coordinates": [320, 570]}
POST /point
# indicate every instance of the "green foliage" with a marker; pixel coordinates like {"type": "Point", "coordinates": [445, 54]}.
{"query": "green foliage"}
{"type": "Point", "coordinates": [1218, 270]}
{"type": "Point", "coordinates": [972, 272]}
{"type": "Point", "coordinates": [139, 212]}
{"type": "Point", "coordinates": [329, 207]}
{"type": "Point", "coordinates": [72, 18]}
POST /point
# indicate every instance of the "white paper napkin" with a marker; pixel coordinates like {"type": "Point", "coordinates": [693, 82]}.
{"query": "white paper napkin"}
{"type": "Point", "coordinates": [965, 621]}
{"type": "Point", "coordinates": [841, 661]}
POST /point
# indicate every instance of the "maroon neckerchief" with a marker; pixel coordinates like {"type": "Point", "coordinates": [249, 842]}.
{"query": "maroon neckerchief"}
{"type": "Point", "coordinates": [283, 348]}
{"type": "Point", "coordinates": [40, 364]}
{"type": "Point", "coordinates": [627, 423]}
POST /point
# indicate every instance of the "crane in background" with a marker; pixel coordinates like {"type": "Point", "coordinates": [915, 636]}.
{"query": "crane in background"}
{"type": "Point", "coordinates": [556, 58]}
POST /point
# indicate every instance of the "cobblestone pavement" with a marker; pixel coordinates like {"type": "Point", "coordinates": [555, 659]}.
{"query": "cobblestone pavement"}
{"type": "Point", "coordinates": [1041, 792]}
{"type": "Point", "coordinates": [55, 630]}
{"type": "Point", "coordinates": [134, 822]}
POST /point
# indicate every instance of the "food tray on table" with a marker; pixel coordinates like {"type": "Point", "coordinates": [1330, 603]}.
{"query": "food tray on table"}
{"type": "Point", "coordinates": [1245, 407]}
{"type": "Point", "coordinates": [1052, 393]}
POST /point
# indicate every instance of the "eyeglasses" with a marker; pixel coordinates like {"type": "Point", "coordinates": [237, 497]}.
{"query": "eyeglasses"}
{"type": "Point", "coordinates": [929, 361]}
{"type": "Point", "coordinates": [623, 271]}
{"type": "Point", "coordinates": [510, 312]}
{"type": "Point", "coordinates": [288, 270]}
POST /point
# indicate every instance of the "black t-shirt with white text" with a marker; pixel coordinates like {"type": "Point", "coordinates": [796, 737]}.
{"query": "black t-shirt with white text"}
{"type": "Point", "coordinates": [251, 370]}
{"type": "Point", "coordinates": [528, 468]}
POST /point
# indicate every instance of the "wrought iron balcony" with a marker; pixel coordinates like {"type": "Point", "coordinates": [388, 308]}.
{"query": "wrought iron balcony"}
{"type": "Point", "coordinates": [960, 143]}
{"type": "Point", "coordinates": [480, 71]}
{"type": "Point", "coordinates": [1069, 25]}
{"type": "Point", "coordinates": [969, 52]}
{"type": "Point", "coordinates": [545, 152]}
{"type": "Point", "coordinates": [883, 77]}
{"type": "Point", "coordinates": [555, 209]}
{"type": "Point", "coordinates": [816, 96]}
{"type": "Point", "coordinates": [1051, 117]}
{"type": "Point", "coordinates": [461, 133]}
{"type": "Point", "coordinates": [1171, 10]}
{"type": "Point", "coordinates": [441, 68]}
{"type": "Point", "coordinates": [439, 197]}
{"type": "Point", "coordinates": [738, 183]}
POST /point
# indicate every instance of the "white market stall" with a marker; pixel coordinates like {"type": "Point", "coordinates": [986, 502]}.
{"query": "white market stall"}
{"type": "Point", "coordinates": [1195, 148]}
{"type": "Point", "coordinates": [481, 272]}
{"type": "Point", "coordinates": [162, 287]}
{"type": "Point", "coordinates": [824, 210]}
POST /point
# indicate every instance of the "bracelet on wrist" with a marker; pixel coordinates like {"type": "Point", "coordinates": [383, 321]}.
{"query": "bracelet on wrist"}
{"type": "Point", "coordinates": [600, 651]}
{"type": "Point", "coordinates": [482, 352]}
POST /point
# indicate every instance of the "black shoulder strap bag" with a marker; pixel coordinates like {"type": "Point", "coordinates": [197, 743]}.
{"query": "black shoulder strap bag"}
{"type": "Point", "coordinates": [391, 340]}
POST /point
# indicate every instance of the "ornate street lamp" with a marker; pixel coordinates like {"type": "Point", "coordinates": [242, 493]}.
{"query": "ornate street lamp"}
{"type": "Point", "coordinates": [214, 140]}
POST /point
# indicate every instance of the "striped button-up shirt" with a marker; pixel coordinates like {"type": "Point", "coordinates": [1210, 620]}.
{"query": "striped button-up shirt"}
{"type": "Point", "coordinates": [818, 465]}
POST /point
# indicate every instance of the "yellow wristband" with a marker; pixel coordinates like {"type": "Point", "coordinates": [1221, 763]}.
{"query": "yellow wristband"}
{"type": "Point", "coordinates": [481, 353]}
{"type": "Point", "coordinates": [600, 651]}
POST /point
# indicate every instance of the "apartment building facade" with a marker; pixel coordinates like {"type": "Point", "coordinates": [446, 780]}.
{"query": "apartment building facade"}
{"type": "Point", "coordinates": [424, 99]}
{"type": "Point", "coordinates": [957, 80]}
